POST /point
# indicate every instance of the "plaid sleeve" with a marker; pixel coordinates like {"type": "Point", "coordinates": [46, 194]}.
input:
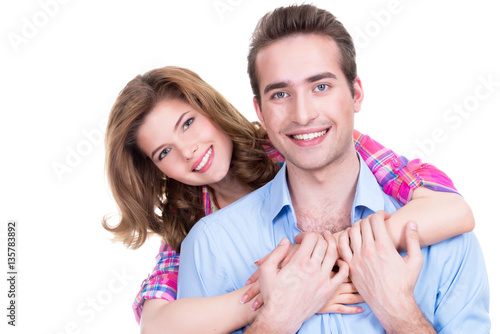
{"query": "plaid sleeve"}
{"type": "Point", "coordinates": [272, 153]}
{"type": "Point", "coordinates": [395, 174]}
{"type": "Point", "coordinates": [162, 282]}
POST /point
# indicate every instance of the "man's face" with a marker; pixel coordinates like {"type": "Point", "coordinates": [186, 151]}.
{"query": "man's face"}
{"type": "Point", "coordinates": [306, 105]}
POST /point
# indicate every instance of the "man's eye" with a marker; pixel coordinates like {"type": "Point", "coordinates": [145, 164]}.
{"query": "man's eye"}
{"type": "Point", "coordinates": [280, 95]}
{"type": "Point", "coordinates": [187, 124]}
{"type": "Point", "coordinates": [320, 87]}
{"type": "Point", "coordinates": [163, 153]}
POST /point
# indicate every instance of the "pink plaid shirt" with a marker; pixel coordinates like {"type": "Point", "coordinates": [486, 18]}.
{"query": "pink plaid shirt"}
{"type": "Point", "coordinates": [394, 173]}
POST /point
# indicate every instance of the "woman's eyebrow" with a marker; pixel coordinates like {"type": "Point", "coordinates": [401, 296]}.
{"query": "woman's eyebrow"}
{"type": "Point", "coordinates": [179, 120]}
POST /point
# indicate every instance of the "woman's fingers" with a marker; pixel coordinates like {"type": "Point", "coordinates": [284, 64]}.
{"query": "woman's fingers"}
{"type": "Point", "coordinates": [253, 278]}
{"type": "Point", "coordinates": [259, 301]}
{"type": "Point", "coordinates": [341, 309]}
{"type": "Point", "coordinates": [261, 261]}
{"type": "Point", "coordinates": [253, 290]}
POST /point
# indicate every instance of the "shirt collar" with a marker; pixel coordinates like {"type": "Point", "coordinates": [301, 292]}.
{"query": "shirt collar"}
{"type": "Point", "coordinates": [280, 195]}
{"type": "Point", "coordinates": [368, 194]}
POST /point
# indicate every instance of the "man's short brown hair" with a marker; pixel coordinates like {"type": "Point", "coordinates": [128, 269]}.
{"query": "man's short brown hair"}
{"type": "Point", "coordinates": [301, 19]}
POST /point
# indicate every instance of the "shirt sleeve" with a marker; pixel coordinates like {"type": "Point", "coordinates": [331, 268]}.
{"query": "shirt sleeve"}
{"type": "Point", "coordinates": [162, 282]}
{"type": "Point", "coordinates": [398, 176]}
{"type": "Point", "coordinates": [462, 300]}
{"type": "Point", "coordinates": [202, 270]}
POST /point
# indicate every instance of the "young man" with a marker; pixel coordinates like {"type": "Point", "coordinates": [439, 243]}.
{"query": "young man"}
{"type": "Point", "coordinates": [303, 73]}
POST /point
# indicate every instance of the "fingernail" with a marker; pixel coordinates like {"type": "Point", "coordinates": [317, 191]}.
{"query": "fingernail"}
{"type": "Point", "coordinates": [413, 225]}
{"type": "Point", "coordinates": [244, 299]}
{"type": "Point", "coordinates": [254, 305]}
{"type": "Point", "coordinates": [248, 282]}
{"type": "Point", "coordinates": [360, 310]}
{"type": "Point", "coordinates": [282, 242]}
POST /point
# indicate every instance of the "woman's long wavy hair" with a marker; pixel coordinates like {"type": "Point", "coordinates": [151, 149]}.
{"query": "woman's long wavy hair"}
{"type": "Point", "coordinates": [148, 201]}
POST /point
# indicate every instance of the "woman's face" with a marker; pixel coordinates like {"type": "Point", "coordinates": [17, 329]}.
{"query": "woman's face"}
{"type": "Point", "coordinates": [184, 144]}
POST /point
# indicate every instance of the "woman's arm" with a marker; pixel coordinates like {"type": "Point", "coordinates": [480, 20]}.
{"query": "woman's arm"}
{"type": "Point", "coordinates": [158, 311]}
{"type": "Point", "coordinates": [219, 314]}
{"type": "Point", "coordinates": [440, 214]}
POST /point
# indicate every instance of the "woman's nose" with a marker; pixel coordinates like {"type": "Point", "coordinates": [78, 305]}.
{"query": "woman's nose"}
{"type": "Point", "coordinates": [189, 150]}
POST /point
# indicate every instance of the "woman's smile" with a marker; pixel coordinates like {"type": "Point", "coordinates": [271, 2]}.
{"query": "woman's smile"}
{"type": "Point", "coordinates": [204, 162]}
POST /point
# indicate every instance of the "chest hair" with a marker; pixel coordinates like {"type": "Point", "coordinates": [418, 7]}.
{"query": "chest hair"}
{"type": "Point", "coordinates": [317, 219]}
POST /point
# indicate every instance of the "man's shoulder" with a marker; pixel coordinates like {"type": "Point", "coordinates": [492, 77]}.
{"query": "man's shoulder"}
{"type": "Point", "coordinates": [457, 244]}
{"type": "Point", "coordinates": [246, 206]}
{"type": "Point", "coordinates": [232, 218]}
{"type": "Point", "coordinates": [451, 253]}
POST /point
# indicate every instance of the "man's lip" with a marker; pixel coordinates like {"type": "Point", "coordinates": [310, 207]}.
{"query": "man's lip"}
{"type": "Point", "coordinates": [310, 142]}
{"type": "Point", "coordinates": [308, 131]}
{"type": "Point", "coordinates": [198, 162]}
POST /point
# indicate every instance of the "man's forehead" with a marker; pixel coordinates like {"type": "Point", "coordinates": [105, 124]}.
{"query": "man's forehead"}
{"type": "Point", "coordinates": [297, 58]}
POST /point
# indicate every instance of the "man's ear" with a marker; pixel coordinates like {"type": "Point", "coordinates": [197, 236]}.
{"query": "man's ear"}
{"type": "Point", "coordinates": [259, 112]}
{"type": "Point", "coordinates": [358, 94]}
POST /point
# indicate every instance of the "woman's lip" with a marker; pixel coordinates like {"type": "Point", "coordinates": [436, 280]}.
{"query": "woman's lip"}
{"type": "Point", "coordinates": [200, 159]}
{"type": "Point", "coordinates": [209, 162]}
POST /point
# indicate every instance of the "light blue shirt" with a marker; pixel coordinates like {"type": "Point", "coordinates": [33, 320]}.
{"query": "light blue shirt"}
{"type": "Point", "coordinates": [217, 257]}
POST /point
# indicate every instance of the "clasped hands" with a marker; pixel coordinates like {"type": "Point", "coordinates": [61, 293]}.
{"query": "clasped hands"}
{"type": "Point", "coordinates": [325, 273]}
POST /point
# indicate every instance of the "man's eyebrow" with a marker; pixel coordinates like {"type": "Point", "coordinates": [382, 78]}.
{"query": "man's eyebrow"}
{"type": "Point", "coordinates": [276, 85]}
{"type": "Point", "coordinates": [321, 76]}
{"type": "Point", "coordinates": [313, 78]}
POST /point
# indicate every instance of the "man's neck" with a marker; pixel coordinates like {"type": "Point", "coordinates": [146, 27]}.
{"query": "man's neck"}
{"type": "Point", "coordinates": [322, 199]}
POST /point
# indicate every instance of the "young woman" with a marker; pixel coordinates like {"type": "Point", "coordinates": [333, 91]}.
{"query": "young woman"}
{"type": "Point", "coordinates": [176, 150]}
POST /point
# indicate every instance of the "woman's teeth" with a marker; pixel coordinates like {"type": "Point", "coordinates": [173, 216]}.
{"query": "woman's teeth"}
{"type": "Point", "coordinates": [204, 160]}
{"type": "Point", "coordinates": [309, 136]}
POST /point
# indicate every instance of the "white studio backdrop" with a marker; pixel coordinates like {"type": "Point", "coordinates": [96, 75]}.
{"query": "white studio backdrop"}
{"type": "Point", "coordinates": [432, 83]}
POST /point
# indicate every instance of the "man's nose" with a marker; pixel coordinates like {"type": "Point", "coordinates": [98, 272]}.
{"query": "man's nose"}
{"type": "Point", "coordinates": [304, 110]}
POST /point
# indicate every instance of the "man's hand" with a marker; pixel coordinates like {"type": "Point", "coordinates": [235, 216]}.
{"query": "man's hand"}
{"type": "Point", "coordinates": [383, 278]}
{"type": "Point", "coordinates": [338, 303]}
{"type": "Point", "coordinates": [254, 289]}
{"type": "Point", "coordinates": [298, 290]}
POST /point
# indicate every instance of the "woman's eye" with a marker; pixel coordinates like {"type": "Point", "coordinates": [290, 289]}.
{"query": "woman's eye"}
{"type": "Point", "coordinates": [280, 95]}
{"type": "Point", "coordinates": [163, 153]}
{"type": "Point", "coordinates": [321, 87]}
{"type": "Point", "coordinates": [187, 124]}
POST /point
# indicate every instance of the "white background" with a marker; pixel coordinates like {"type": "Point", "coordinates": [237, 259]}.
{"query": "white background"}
{"type": "Point", "coordinates": [60, 77]}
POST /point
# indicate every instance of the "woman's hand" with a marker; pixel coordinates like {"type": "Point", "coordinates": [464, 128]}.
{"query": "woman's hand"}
{"type": "Point", "coordinates": [346, 294]}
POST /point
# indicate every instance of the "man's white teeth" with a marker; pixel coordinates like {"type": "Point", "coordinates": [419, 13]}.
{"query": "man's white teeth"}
{"type": "Point", "coordinates": [309, 136]}
{"type": "Point", "coordinates": [205, 160]}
